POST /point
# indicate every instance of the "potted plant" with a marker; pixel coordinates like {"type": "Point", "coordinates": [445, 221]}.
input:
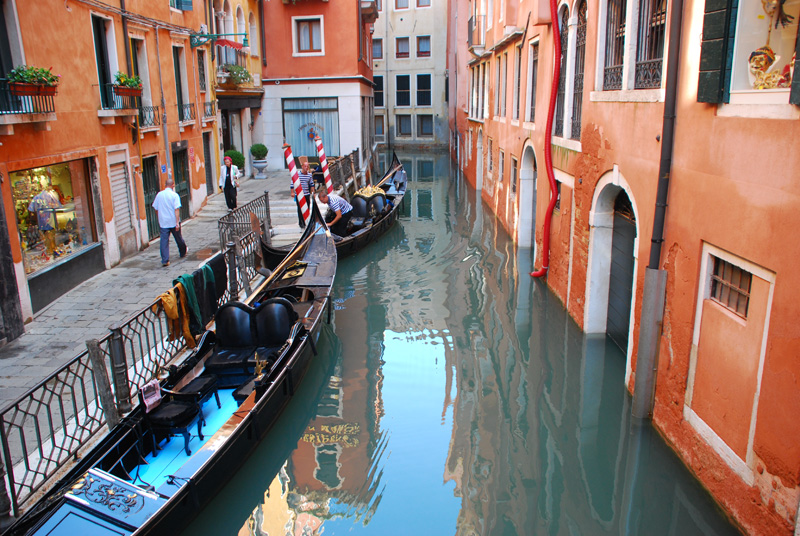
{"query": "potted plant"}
{"type": "Point", "coordinates": [238, 75]}
{"type": "Point", "coordinates": [127, 86]}
{"type": "Point", "coordinates": [32, 81]}
{"type": "Point", "coordinates": [259, 152]}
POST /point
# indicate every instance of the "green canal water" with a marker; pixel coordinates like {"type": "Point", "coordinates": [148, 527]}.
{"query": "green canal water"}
{"type": "Point", "coordinates": [452, 394]}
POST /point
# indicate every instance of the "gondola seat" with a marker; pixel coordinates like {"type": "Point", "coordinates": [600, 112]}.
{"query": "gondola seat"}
{"type": "Point", "coordinates": [172, 415]}
{"type": "Point", "coordinates": [359, 217]}
{"type": "Point", "coordinates": [243, 331]}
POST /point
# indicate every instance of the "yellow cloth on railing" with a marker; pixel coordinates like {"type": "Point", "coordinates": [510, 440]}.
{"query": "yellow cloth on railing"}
{"type": "Point", "coordinates": [176, 313]}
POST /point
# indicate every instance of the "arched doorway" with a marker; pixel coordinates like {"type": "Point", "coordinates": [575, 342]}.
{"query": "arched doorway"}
{"type": "Point", "coordinates": [528, 174]}
{"type": "Point", "coordinates": [620, 291]}
{"type": "Point", "coordinates": [479, 165]}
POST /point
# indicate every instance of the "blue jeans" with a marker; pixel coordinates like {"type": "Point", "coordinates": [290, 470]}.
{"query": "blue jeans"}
{"type": "Point", "coordinates": [165, 232]}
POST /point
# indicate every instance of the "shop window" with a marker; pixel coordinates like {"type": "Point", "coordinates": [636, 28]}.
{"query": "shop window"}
{"type": "Point", "coordinates": [309, 36]}
{"type": "Point", "coordinates": [377, 49]}
{"type": "Point", "coordinates": [423, 90]}
{"type": "Point", "coordinates": [54, 213]}
{"type": "Point", "coordinates": [750, 59]}
{"type": "Point", "coordinates": [423, 46]}
{"type": "Point", "coordinates": [401, 47]}
{"type": "Point", "coordinates": [378, 81]}
{"type": "Point", "coordinates": [403, 125]}
{"type": "Point", "coordinates": [425, 125]}
{"type": "Point", "coordinates": [403, 83]}
{"type": "Point", "coordinates": [730, 286]}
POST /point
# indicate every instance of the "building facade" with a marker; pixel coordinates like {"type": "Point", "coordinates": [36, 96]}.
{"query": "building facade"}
{"type": "Point", "coordinates": [724, 370]}
{"type": "Point", "coordinates": [82, 167]}
{"type": "Point", "coordinates": [409, 58]}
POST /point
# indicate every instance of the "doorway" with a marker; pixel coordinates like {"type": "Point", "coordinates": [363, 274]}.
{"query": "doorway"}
{"type": "Point", "coordinates": [180, 167]}
{"type": "Point", "coordinates": [208, 164]}
{"type": "Point", "coordinates": [150, 186]}
{"type": "Point", "coordinates": [620, 286]}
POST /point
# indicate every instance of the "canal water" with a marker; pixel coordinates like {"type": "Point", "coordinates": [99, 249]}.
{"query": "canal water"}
{"type": "Point", "coordinates": [452, 394]}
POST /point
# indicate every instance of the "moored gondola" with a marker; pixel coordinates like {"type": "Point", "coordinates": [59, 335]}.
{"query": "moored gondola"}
{"type": "Point", "coordinates": [192, 429]}
{"type": "Point", "coordinates": [375, 209]}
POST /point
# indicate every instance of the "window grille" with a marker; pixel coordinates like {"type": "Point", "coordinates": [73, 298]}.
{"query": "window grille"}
{"type": "Point", "coordinates": [423, 90]}
{"type": "Point", "coordinates": [534, 77]}
{"type": "Point", "coordinates": [403, 83]}
{"type": "Point", "coordinates": [730, 286]}
{"type": "Point", "coordinates": [650, 43]}
{"type": "Point", "coordinates": [201, 69]}
{"type": "Point", "coordinates": [615, 40]}
{"type": "Point", "coordinates": [378, 80]}
{"type": "Point", "coordinates": [580, 54]}
{"type": "Point", "coordinates": [562, 79]}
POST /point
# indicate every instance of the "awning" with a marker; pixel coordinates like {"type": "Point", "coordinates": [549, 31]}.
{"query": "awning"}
{"type": "Point", "coordinates": [229, 43]}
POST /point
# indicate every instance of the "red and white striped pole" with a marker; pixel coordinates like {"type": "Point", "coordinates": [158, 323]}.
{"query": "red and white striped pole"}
{"type": "Point", "coordinates": [305, 210]}
{"type": "Point", "coordinates": [324, 163]}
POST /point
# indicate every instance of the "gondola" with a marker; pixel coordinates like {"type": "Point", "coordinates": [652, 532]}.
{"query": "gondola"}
{"type": "Point", "coordinates": [151, 474]}
{"type": "Point", "coordinates": [375, 209]}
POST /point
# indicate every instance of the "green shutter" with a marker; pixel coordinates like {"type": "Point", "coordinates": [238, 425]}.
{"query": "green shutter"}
{"type": "Point", "coordinates": [716, 51]}
{"type": "Point", "coordinates": [185, 5]}
{"type": "Point", "coordinates": [794, 97]}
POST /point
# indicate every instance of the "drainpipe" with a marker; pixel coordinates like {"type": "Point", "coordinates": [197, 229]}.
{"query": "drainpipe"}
{"type": "Point", "coordinates": [163, 108]}
{"type": "Point", "coordinates": [655, 279]}
{"type": "Point", "coordinates": [548, 140]}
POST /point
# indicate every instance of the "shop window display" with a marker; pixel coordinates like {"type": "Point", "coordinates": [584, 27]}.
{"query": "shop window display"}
{"type": "Point", "coordinates": [54, 215]}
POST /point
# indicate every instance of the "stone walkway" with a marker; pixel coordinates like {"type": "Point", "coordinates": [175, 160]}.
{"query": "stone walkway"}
{"type": "Point", "coordinates": [59, 332]}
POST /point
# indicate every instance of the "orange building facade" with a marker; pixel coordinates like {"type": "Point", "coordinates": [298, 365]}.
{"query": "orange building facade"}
{"type": "Point", "coordinates": [726, 380]}
{"type": "Point", "coordinates": [94, 155]}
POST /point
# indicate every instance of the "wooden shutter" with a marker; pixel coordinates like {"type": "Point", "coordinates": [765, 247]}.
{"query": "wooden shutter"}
{"type": "Point", "coordinates": [185, 5]}
{"type": "Point", "coordinates": [716, 51]}
{"type": "Point", "coordinates": [794, 97]}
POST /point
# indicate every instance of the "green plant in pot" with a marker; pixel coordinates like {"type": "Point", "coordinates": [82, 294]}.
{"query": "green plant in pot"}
{"type": "Point", "coordinates": [259, 152]}
{"type": "Point", "coordinates": [27, 80]}
{"type": "Point", "coordinates": [239, 76]}
{"type": "Point", "coordinates": [127, 86]}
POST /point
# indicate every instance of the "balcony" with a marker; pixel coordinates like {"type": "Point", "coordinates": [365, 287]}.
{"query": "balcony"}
{"type": "Point", "coordinates": [149, 116]}
{"type": "Point", "coordinates": [16, 109]}
{"type": "Point", "coordinates": [113, 106]}
{"type": "Point", "coordinates": [477, 31]}
{"type": "Point", "coordinates": [209, 110]}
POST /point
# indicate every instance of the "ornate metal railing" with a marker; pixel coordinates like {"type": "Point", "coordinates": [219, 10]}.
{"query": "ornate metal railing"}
{"type": "Point", "coordinates": [16, 104]}
{"type": "Point", "coordinates": [236, 223]}
{"type": "Point", "coordinates": [111, 101]}
{"type": "Point", "coordinates": [209, 108]}
{"type": "Point", "coordinates": [149, 116]}
{"type": "Point", "coordinates": [47, 428]}
{"type": "Point", "coordinates": [186, 112]}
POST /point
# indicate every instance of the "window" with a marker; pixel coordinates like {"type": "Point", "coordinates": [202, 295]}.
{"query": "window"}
{"type": "Point", "coordinates": [615, 41]}
{"type": "Point", "coordinates": [401, 4]}
{"type": "Point", "coordinates": [727, 72]}
{"type": "Point", "coordinates": [401, 47]}
{"type": "Point", "coordinates": [423, 3]}
{"type": "Point", "coordinates": [185, 108]}
{"type": "Point", "coordinates": [423, 46]}
{"type": "Point", "coordinates": [650, 43]}
{"type": "Point", "coordinates": [497, 87]}
{"type": "Point", "coordinates": [489, 164]}
{"type": "Point", "coordinates": [730, 286]}
{"type": "Point", "coordinates": [423, 90]}
{"type": "Point", "coordinates": [378, 91]}
{"type": "Point", "coordinates": [253, 34]}
{"type": "Point", "coordinates": [380, 5]}
{"type": "Point", "coordinates": [185, 5]}
{"type": "Point", "coordinates": [514, 174]}
{"type": "Point", "coordinates": [533, 80]}
{"type": "Point", "coordinates": [500, 165]}
{"type": "Point", "coordinates": [106, 57]}
{"type": "Point", "coordinates": [563, 26]}
{"type": "Point", "coordinates": [503, 86]}
{"type": "Point", "coordinates": [308, 36]}
{"type": "Point", "coordinates": [139, 65]}
{"type": "Point", "coordinates": [517, 81]}
{"type": "Point", "coordinates": [403, 96]}
{"type": "Point", "coordinates": [379, 126]}
{"type": "Point", "coordinates": [577, 83]}
{"type": "Point", "coordinates": [425, 125]}
{"type": "Point", "coordinates": [557, 206]}
{"type": "Point", "coordinates": [403, 125]}
{"type": "Point", "coordinates": [377, 49]}
{"type": "Point", "coordinates": [201, 69]}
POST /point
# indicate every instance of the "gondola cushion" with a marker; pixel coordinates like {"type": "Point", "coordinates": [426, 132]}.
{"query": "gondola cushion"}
{"type": "Point", "coordinates": [173, 415]}
{"type": "Point", "coordinates": [234, 326]}
{"type": "Point", "coordinates": [201, 386]}
{"type": "Point", "coordinates": [273, 322]}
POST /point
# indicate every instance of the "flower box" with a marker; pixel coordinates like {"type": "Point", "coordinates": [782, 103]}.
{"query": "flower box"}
{"type": "Point", "coordinates": [24, 89]}
{"type": "Point", "coordinates": [125, 91]}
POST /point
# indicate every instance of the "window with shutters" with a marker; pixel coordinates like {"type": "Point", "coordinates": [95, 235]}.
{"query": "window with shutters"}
{"type": "Point", "coordinates": [184, 5]}
{"type": "Point", "coordinates": [489, 164]}
{"type": "Point", "coordinates": [747, 52]}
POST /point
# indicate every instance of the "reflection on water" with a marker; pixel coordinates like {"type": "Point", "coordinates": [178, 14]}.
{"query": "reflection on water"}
{"type": "Point", "coordinates": [458, 398]}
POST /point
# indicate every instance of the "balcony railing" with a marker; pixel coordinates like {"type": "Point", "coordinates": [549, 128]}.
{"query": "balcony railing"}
{"type": "Point", "coordinates": [186, 112]}
{"type": "Point", "coordinates": [209, 109]}
{"type": "Point", "coordinates": [14, 104]}
{"type": "Point", "coordinates": [477, 31]}
{"type": "Point", "coordinates": [149, 116]}
{"type": "Point", "coordinates": [111, 101]}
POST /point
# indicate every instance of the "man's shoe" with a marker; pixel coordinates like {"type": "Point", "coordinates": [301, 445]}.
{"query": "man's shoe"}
{"type": "Point", "coordinates": [184, 253]}
{"type": "Point", "coordinates": [165, 263]}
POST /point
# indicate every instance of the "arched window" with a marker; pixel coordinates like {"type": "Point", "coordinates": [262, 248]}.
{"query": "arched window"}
{"type": "Point", "coordinates": [253, 36]}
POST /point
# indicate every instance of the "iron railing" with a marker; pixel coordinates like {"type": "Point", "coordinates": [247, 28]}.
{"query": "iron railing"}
{"type": "Point", "coordinates": [650, 43]}
{"type": "Point", "coordinates": [577, 85]}
{"type": "Point", "coordinates": [236, 223]}
{"type": "Point", "coordinates": [149, 116]}
{"type": "Point", "coordinates": [111, 101]}
{"type": "Point", "coordinates": [209, 108]}
{"type": "Point", "coordinates": [186, 112]}
{"type": "Point", "coordinates": [477, 31]}
{"type": "Point", "coordinates": [46, 428]}
{"type": "Point", "coordinates": [16, 104]}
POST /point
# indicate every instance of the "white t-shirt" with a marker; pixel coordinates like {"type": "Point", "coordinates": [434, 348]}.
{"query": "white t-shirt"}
{"type": "Point", "coordinates": [166, 203]}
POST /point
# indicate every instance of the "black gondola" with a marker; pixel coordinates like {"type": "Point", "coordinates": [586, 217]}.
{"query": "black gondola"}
{"type": "Point", "coordinates": [373, 214]}
{"type": "Point", "coordinates": [258, 352]}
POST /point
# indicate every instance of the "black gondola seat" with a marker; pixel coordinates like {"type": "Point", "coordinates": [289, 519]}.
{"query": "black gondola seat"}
{"type": "Point", "coordinates": [359, 216]}
{"type": "Point", "coordinates": [242, 331]}
{"type": "Point", "coordinates": [173, 414]}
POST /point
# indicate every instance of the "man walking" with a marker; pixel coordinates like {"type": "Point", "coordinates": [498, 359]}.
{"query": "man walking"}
{"type": "Point", "coordinates": [167, 205]}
